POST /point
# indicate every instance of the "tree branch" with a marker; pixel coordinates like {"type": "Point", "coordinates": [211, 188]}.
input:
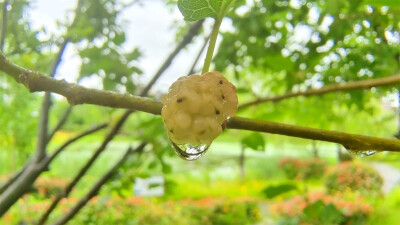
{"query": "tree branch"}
{"type": "Point", "coordinates": [32, 171]}
{"type": "Point", "coordinates": [60, 123]}
{"type": "Point", "coordinates": [95, 188]}
{"type": "Point", "coordinates": [315, 134]}
{"type": "Point", "coordinates": [76, 94]}
{"type": "Point", "coordinates": [349, 141]}
{"type": "Point", "coordinates": [19, 187]}
{"type": "Point", "coordinates": [28, 176]}
{"type": "Point", "coordinates": [193, 31]}
{"type": "Point", "coordinates": [46, 104]}
{"type": "Point", "coordinates": [3, 25]}
{"type": "Point", "coordinates": [364, 84]}
{"type": "Point", "coordinates": [196, 60]}
{"type": "Point", "coordinates": [155, 109]}
{"type": "Point", "coordinates": [42, 129]}
{"type": "Point", "coordinates": [365, 142]}
{"type": "Point", "coordinates": [72, 140]}
{"type": "Point", "coordinates": [67, 190]}
{"type": "Point", "coordinates": [14, 177]}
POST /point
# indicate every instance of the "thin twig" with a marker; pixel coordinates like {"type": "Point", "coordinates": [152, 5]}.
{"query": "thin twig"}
{"type": "Point", "coordinates": [364, 84]}
{"type": "Point", "coordinates": [130, 4]}
{"type": "Point", "coordinates": [68, 189]}
{"type": "Point", "coordinates": [96, 187]}
{"type": "Point", "coordinates": [45, 163]}
{"type": "Point", "coordinates": [74, 139]}
{"type": "Point", "coordinates": [60, 123]}
{"type": "Point", "coordinates": [193, 31]}
{"type": "Point", "coordinates": [196, 60]}
{"type": "Point", "coordinates": [29, 175]}
{"type": "Point", "coordinates": [41, 143]}
{"type": "Point", "coordinates": [42, 136]}
{"type": "Point", "coordinates": [349, 141]}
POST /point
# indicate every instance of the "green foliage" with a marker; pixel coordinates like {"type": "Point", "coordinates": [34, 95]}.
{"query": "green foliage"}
{"type": "Point", "coordinates": [386, 208]}
{"type": "Point", "coordinates": [254, 141]}
{"type": "Point", "coordinates": [95, 20]}
{"type": "Point", "coordinates": [354, 177]}
{"type": "Point", "coordinates": [390, 3]}
{"type": "Point", "coordinates": [16, 105]}
{"type": "Point", "coordinates": [275, 190]}
{"type": "Point", "coordinates": [139, 211]}
{"type": "Point", "coordinates": [235, 213]}
{"type": "Point", "coordinates": [19, 109]}
{"type": "Point", "coordinates": [277, 46]}
{"type": "Point", "coordinates": [115, 68]}
{"type": "Point", "coordinates": [322, 214]}
{"type": "Point", "coordinates": [20, 38]}
{"type": "Point", "coordinates": [193, 10]}
{"type": "Point", "coordinates": [103, 55]}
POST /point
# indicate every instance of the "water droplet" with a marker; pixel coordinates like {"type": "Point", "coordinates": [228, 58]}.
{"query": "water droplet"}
{"type": "Point", "coordinates": [362, 153]}
{"type": "Point", "coordinates": [190, 152]}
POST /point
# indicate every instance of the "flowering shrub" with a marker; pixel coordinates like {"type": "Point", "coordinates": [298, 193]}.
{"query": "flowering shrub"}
{"type": "Point", "coordinates": [50, 186]}
{"type": "Point", "coordinates": [207, 211]}
{"type": "Point", "coordinates": [238, 212]}
{"type": "Point", "coordinates": [353, 177]}
{"type": "Point", "coordinates": [137, 210]}
{"type": "Point", "coordinates": [312, 168]}
{"type": "Point", "coordinates": [321, 208]}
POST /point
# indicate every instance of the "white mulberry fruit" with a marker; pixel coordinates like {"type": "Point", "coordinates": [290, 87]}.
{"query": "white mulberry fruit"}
{"type": "Point", "coordinates": [196, 107]}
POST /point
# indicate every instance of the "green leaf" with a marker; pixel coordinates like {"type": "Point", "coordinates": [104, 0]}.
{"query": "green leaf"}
{"type": "Point", "coordinates": [390, 3]}
{"type": "Point", "coordinates": [254, 141]}
{"type": "Point", "coordinates": [119, 39]}
{"type": "Point", "coordinates": [275, 190]}
{"type": "Point", "coordinates": [193, 10]}
{"type": "Point", "coordinates": [318, 212]}
{"type": "Point", "coordinates": [166, 168]}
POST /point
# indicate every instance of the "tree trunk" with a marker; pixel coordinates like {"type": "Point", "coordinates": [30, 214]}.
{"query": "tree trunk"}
{"type": "Point", "coordinates": [339, 153]}
{"type": "Point", "coordinates": [19, 187]}
{"type": "Point", "coordinates": [241, 164]}
{"type": "Point", "coordinates": [315, 149]}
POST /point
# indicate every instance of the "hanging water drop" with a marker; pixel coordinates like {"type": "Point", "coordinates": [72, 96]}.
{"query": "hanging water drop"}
{"type": "Point", "coordinates": [190, 152]}
{"type": "Point", "coordinates": [362, 153]}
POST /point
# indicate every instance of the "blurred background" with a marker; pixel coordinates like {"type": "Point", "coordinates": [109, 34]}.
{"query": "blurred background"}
{"type": "Point", "coordinates": [266, 48]}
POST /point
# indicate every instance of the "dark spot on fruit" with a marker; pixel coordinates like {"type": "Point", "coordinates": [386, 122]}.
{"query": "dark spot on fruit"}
{"type": "Point", "coordinates": [179, 100]}
{"type": "Point", "coordinates": [202, 132]}
{"type": "Point", "coordinates": [221, 82]}
{"type": "Point", "coordinates": [223, 96]}
{"type": "Point", "coordinates": [172, 131]}
{"type": "Point", "coordinates": [217, 111]}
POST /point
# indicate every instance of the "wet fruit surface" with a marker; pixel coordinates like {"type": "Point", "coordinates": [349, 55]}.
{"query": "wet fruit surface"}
{"type": "Point", "coordinates": [196, 107]}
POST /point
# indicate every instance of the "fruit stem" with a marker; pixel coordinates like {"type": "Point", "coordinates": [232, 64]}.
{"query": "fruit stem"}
{"type": "Point", "coordinates": [211, 46]}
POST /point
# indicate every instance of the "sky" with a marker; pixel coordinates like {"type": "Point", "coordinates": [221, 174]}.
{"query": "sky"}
{"type": "Point", "coordinates": [149, 26]}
